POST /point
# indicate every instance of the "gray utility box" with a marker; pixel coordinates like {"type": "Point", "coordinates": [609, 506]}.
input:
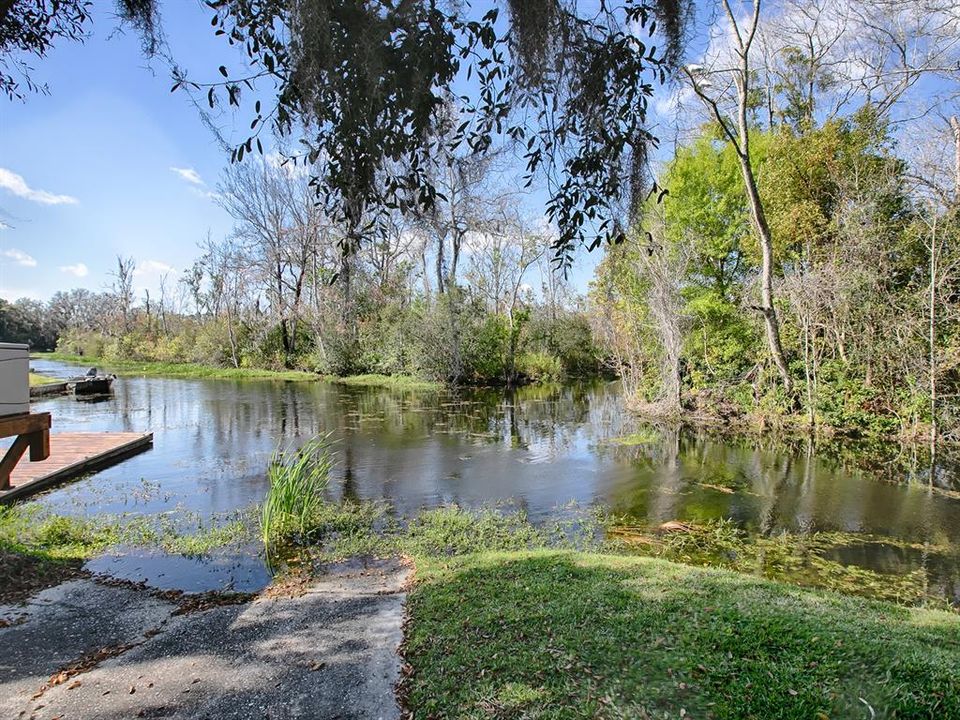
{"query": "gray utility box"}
{"type": "Point", "coordinates": [14, 379]}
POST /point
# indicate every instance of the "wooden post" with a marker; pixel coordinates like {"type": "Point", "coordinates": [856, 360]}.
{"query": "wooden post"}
{"type": "Point", "coordinates": [32, 432]}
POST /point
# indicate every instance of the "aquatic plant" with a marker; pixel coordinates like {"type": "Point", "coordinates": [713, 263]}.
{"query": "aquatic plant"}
{"type": "Point", "coordinates": [298, 479]}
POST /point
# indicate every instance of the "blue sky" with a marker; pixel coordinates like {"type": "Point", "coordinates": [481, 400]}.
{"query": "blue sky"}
{"type": "Point", "coordinates": [86, 170]}
{"type": "Point", "coordinates": [112, 163]}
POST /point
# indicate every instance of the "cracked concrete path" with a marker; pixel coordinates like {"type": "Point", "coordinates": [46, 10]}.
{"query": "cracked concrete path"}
{"type": "Point", "coordinates": [330, 652]}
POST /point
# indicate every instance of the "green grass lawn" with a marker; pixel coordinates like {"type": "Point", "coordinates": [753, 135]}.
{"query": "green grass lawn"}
{"type": "Point", "coordinates": [177, 370]}
{"type": "Point", "coordinates": [563, 634]}
{"type": "Point", "coordinates": [195, 370]}
{"type": "Point", "coordinates": [40, 380]}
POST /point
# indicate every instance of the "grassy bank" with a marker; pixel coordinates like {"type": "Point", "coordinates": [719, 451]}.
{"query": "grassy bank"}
{"type": "Point", "coordinates": [400, 382]}
{"type": "Point", "coordinates": [36, 380]}
{"type": "Point", "coordinates": [176, 370]}
{"type": "Point", "coordinates": [194, 370]}
{"type": "Point", "coordinates": [563, 634]}
{"type": "Point", "coordinates": [513, 620]}
{"type": "Point", "coordinates": [507, 619]}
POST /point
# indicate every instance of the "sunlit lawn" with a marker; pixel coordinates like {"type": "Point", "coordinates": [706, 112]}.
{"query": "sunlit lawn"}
{"type": "Point", "coordinates": [546, 634]}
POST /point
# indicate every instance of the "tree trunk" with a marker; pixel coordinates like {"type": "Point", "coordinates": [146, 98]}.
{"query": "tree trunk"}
{"type": "Point", "coordinates": [955, 126]}
{"type": "Point", "coordinates": [767, 308]}
{"type": "Point", "coordinates": [440, 264]}
{"type": "Point", "coordinates": [933, 340]}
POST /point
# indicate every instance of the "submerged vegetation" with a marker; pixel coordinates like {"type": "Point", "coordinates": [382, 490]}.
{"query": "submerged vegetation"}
{"type": "Point", "coordinates": [39, 548]}
{"type": "Point", "coordinates": [812, 559]}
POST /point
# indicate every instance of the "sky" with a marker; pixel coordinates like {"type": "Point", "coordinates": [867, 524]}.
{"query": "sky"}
{"type": "Point", "coordinates": [109, 163]}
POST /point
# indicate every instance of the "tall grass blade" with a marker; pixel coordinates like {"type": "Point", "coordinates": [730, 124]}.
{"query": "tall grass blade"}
{"type": "Point", "coordinates": [298, 478]}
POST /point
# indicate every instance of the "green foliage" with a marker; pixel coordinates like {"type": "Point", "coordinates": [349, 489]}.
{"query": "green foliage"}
{"type": "Point", "coordinates": [298, 478]}
{"type": "Point", "coordinates": [852, 251]}
{"type": "Point", "coordinates": [81, 344]}
{"type": "Point", "coordinates": [844, 401]}
{"type": "Point", "coordinates": [707, 209]}
{"type": "Point", "coordinates": [485, 349]}
{"type": "Point", "coordinates": [567, 337]}
{"type": "Point", "coordinates": [539, 367]}
{"type": "Point", "coordinates": [723, 342]}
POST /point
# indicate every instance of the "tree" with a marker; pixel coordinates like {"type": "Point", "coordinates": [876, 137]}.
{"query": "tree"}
{"type": "Point", "coordinates": [31, 27]}
{"type": "Point", "coordinates": [122, 290]}
{"type": "Point", "coordinates": [738, 135]}
{"type": "Point", "coordinates": [368, 82]}
{"type": "Point", "coordinates": [499, 259]}
{"type": "Point", "coordinates": [280, 230]}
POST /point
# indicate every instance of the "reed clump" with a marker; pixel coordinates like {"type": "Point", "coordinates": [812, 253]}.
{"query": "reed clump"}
{"type": "Point", "coordinates": [298, 478]}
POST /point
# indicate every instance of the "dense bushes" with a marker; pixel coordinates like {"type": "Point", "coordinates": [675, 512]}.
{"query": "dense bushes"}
{"type": "Point", "coordinates": [431, 340]}
{"type": "Point", "coordinates": [865, 284]}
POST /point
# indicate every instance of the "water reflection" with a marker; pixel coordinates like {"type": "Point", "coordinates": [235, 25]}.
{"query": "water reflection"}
{"type": "Point", "coordinates": [539, 447]}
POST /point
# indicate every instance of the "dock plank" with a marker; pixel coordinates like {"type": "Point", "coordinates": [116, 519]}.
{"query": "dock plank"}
{"type": "Point", "coordinates": [73, 454]}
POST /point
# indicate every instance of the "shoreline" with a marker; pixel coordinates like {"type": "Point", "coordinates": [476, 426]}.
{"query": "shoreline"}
{"type": "Point", "coordinates": [584, 632]}
{"type": "Point", "coordinates": [152, 368]}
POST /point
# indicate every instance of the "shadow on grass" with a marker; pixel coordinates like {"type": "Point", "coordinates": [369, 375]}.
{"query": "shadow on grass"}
{"type": "Point", "coordinates": [565, 635]}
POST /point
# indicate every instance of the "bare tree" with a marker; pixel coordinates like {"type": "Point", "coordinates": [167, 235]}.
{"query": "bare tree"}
{"type": "Point", "coordinates": [499, 261]}
{"type": "Point", "coordinates": [663, 270]}
{"type": "Point", "coordinates": [122, 289]}
{"type": "Point", "coordinates": [738, 134]}
{"type": "Point", "coordinates": [281, 229]}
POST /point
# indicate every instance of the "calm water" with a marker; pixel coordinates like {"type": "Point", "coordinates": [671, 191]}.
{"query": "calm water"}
{"type": "Point", "coordinates": [536, 448]}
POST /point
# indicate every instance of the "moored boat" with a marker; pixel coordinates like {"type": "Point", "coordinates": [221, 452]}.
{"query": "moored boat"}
{"type": "Point", "coordinates": [93, 383]}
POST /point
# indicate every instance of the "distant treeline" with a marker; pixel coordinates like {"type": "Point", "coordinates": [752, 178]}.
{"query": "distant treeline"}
{"type": "Point", "coordinates": [465, 295]}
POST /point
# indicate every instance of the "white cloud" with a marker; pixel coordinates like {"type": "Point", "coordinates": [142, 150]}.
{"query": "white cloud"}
{"type": "Point", "coordinates": [79, 270]}
{"type": "Point", "coordinates": [19, 257]}
{"type": "Point", "coordinates": [280, 161]}
{"type": "Point", "coordinates": [189, 174]}
{"type": "Point", "coordinates": [15, 184]}
{"type": "Point", "coordinates": [152, 267]}
{"type": "Point", "coordinates": [200, 192]}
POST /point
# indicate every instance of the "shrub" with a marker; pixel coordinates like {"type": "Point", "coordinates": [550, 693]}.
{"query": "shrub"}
{"type": "Point", "coordinates": [844, 401]}
{"type": "Point", "coordinates": [485, 350]}
{"type": "Point", "coordinates": [79, 342]}
{"type": "Point", "coordinates": [539, 367]}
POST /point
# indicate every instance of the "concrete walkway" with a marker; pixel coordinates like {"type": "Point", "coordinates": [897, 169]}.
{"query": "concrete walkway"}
{"type": "Point", "coordinates": [85, 651]}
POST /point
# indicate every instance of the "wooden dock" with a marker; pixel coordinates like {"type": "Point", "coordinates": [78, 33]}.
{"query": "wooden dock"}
{"type": "Point", "coordinates": [54, 388]}
{"type": "Point", "coordinates": [73, 454]}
